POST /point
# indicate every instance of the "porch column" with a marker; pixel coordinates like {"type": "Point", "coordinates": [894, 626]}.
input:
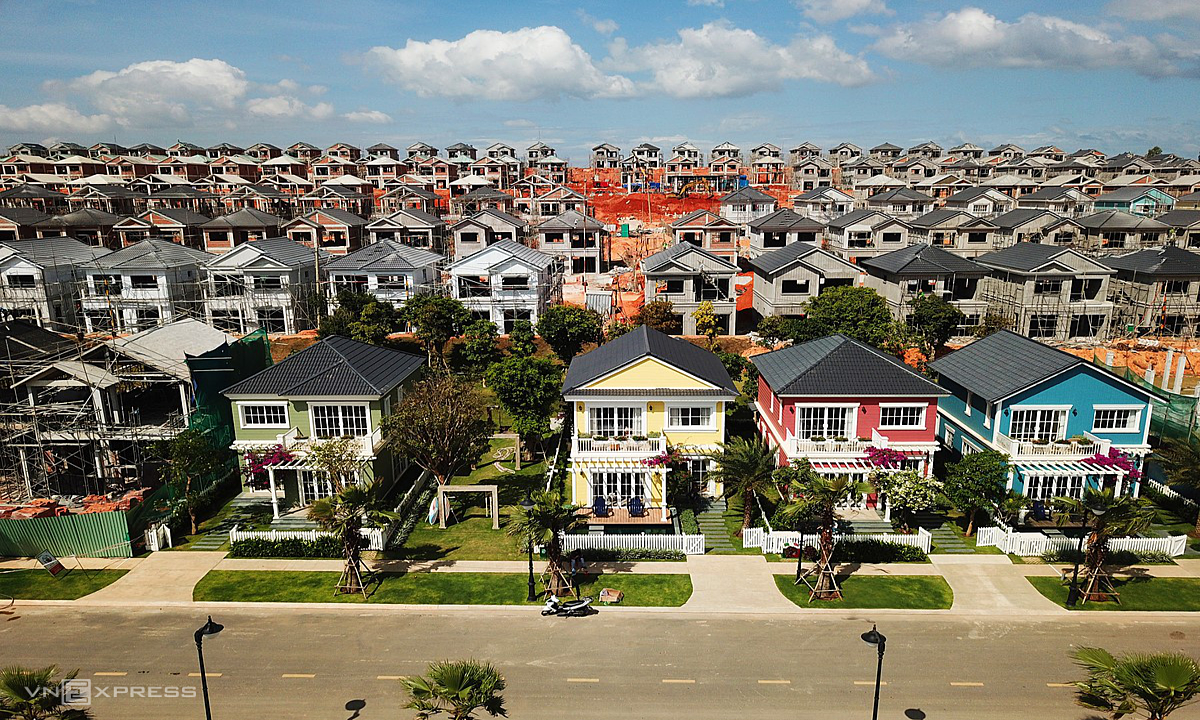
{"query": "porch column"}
{"type": "Point", "coordinates": [274, 499]}
{"type": "Point", "coordinates": [1117, 485]}
{"type": "Point", "coordinates": [183, 400]}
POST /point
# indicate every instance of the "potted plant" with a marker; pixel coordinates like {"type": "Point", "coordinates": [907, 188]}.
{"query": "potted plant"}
{"type": "Point", "coordinates": [601, 438]}
{"type": "Point", "coordinates": [585, 435]}
{"type": "Point", "coordinates": [1039, 441]}
{"type": "Point", "coordinates": [817, 438]}
{"type": "Point", "coordinates": [654, 434]}
{"type": "Point", "coordinates": [1063, 441]}
{"type": "Point", "coordinates": [840, 438]}
{"type": "Point", "coordinates": [639, 438]}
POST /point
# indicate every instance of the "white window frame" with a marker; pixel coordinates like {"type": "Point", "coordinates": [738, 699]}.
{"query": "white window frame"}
{"type": "Point", "coordinates": [267, 403]}
{"type": "Point", "coordinates": [312, 419]}
{"type": "Point", "coordinates": [1065, 409]}
{"type": "Point", "coordinates": [708, 427]}
{"type": "Point", "coordinates": [851, 423]}
{"type": "Point", "coordinates": [923, 407]}
{"type": "Point", "coordinates": [639, 407]}
{"type": "Point", "coordinates": [1136, 421]}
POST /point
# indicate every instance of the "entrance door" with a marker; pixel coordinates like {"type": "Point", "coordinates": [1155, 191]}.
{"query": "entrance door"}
{"type": "Point", "coordinates": [314, 485]}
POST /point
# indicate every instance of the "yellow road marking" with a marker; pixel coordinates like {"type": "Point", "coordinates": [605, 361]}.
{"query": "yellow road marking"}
{"type": "Point", "coordinates": [298, 675]}
{"type": "Point", "coordinates": [868, 682]}
{"type": "Point", "coordinates": [584, 680]}
{"type": "Point", "coordinates": [679, 681]}
{"type": "Point", "coordinates": [966, 684]}
{"type": "Point", "coordinates": [208, 674]}
{"type": "Point", "coordinates": [110, 674]}
{"type": "Point", "coordinates": [389, 677]}
{"type": "Point", "coordinates": [774, 682]}
{"type": "Point", "coordinates": [1060, 685]}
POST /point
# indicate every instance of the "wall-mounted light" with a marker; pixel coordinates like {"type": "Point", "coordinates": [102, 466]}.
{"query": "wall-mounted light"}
{"type": "Point", "coordinates": [1074, 411]}
{"type": "Point", "coordinates": [1005, 412]}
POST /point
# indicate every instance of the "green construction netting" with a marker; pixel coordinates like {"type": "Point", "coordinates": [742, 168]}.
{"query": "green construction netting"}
{"type": "Point", "coordinates": [1173, 417]}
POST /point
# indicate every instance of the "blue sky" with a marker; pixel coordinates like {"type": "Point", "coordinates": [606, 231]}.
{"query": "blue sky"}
{"type": "Point", "coordinates": [1110, 74]}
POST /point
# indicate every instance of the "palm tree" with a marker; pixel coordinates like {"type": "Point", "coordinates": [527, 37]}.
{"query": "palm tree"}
{"type": "Point", "coordinates": [744, 467]}
{"type": "Point", "coordinates": [550, 517]}
{"type": "Point", "coordinates": [1104, 516]}
{"type": "Point", "coordinates": [33, 694]}
{"type": "Point", "coordinates": [457, 688]}
{"type": "Point", "coordinates": [820, 495]}
{"type": "Point", "coordinates": [344, 514]}
{"type": "Point", "coordinates": [1156, 684]}
{"type": "Point", "coordinates": [1180, 459]}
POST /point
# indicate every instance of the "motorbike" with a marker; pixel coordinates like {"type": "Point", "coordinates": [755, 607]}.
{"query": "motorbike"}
{"type": "Point", "coordinates": [571, 608]}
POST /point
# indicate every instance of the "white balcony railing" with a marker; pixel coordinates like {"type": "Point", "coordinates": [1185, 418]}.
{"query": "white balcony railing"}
{"type": "Point", "coordinates": [648, 446]}
{"type": "Point", "coordinates": [831, 445]}
{"type": "Point", "coordinates": [368, 445]}
{"type": "Point", "coordinates": [1082, 447]}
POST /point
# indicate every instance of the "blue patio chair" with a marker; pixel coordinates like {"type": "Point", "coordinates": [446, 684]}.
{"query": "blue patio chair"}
{"type": "Point", "coordinates": [636, 508]}
{"type": "Point", "coordinates": [1040, 512]}
{"type": "Point", "coordinates": [599, 506]}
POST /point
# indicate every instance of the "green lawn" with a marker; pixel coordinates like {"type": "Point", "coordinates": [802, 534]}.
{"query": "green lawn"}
{"type": "Point", "coordinates": [907, 592]}
{"type": "Point", "coordinates": [41, 585]}
{"type": "Point", "coordinates": [437, 588]}
{"type": "Point", "coordinates": [1178, 594]}
{"type": "Point", "coordinates": [246, 517]}
{"type": "Point", "coordinates": [469, 535]}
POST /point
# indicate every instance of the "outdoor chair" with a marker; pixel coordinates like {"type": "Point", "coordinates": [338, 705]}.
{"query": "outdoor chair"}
{"type": "Point", "coordinates": [599, 506]}
{"type": "Point", "coordinates": [636, 508]}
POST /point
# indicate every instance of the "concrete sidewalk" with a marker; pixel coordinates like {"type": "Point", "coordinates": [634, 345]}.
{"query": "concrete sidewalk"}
{"type": "Point", "coordinates": [990, 584]}
{"type": "Point", "coordinates": [161, 577]}
{"type": "Point", "coordinates": [734, 583]}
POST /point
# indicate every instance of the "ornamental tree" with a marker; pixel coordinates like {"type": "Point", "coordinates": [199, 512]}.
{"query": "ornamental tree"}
{"type": "Point", "coordinates": [191, 457]}
{"type": "Point", "coordinates": [934, 319]}
{"type": "Point", "coordinates": [660, 315]}
{"type": "Point", "coordinates": [567, 328]}
{"type": "Point", "coordinates": [435, 321]}
{"type": "Point", "coordinates": [440, 426]}
{"type": "Point", "coordinates": [528, 388]}
{"type": "Point", "coordinates": [977, 482]}
{"type": "Point", "coordinates": [479, 349]}
{"type": "Point", "coordinates": [858, 312]}
{"type": "Point", "coordinates": [706, 322]}
{"type": "Point", "coordinates": [521, 340]}
{"type": "Point", "coordinates": [907, 491]}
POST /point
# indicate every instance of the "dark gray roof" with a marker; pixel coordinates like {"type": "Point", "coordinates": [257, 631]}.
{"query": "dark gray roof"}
{"type": "Point", "coordinates": [923, 260]}
{"type": "Point", "coordinates": [537, 258]}
{"type": "Point", "coordinates": [1001, 364]}
{"type": "Point", "coordinates": [62, 250]}
{"type": "Point", "coordinates": [385, 255]}
{"type": "Point", "coordinates": [23, 215]}
{"type": "Point", "coordinates": [1180, 218]}
{"type": "Point", "coordinates": [1127, 193]}
{"type": "Point", "coordinates": [336, 366]}
{"type": "Point", "coordinates": [933, 218]}
{"type": "Point", "coordinates": [502, 216]}
{"type": "Point", "coordinates": [1018, 217]}
{"type": "Point", "coordinates": [1190, 197]}
{"type": "Point", "coordinates": [84, 217]}
{"type": "Point", "coordinates": [1166, 261]}
{"type": "Point", "coordinates": [283, 250]}
{"type": "Point", "coordinates": [674, 253]}
{"type": "Point", "coordinates": [183, 192]}
{"type": "Point", "coordinates": [486, 192]}
{"type": "Point", "coordinates": [572, 220]}
{"type": "Point", "coordinates": [856, 216]}
{"type": "Point", "coordinates": [27, 191]}
{"type": "Point", "coordinates": [886, 146]}
{"type": "Point", "coordinates": [786, 220]}
{"type": "Point", "coordinates": [906, 194]}
{"type": "Point", "coordinates": [152, 254]}
{"type": "Point", "coordinates": [645, 342]}
{"type": "Point", "coordinates": [775, 260]}
{"type": "Point", "coordinates": [1049, 192]}
{"type": "Point", "coordinates": [1119, 220]}
{"type": "Point", "coordinates": [1023, 256]}
{"type": "Point", "coordinates": [746, 195]}
{"type": "Point", "coordinates": [182, 216]}
{"type": "Point", "coordinates": [244, 218]}
{"type": "Point", "coordinates": [409, 218]}
{"type": "Point", "coordinates": [838, 365]}
{"type": "Point", "coordinates": [969, 194]}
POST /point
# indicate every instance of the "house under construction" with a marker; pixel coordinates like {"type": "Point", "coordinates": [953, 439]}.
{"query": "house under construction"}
{"type": "Point", "coordinates": [1156, 292]}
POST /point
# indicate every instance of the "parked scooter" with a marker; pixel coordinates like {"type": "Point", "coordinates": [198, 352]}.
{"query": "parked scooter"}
{"type": "Point", "coordinates": [571, 608]}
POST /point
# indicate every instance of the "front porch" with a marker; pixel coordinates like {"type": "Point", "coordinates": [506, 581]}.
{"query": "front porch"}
{"type": "Point", "coordinates": [623, 516]}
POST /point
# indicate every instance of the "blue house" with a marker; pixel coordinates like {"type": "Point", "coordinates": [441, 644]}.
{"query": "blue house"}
{"type": "Point", "coordinates": [1053, 413]}
{"type": "Point", "coordinates": [1136, 199]}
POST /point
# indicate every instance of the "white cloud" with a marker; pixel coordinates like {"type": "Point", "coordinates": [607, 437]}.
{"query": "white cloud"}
{"type": "Point", "coordinates": [706, 3]}
{"type": "Point", "coordinates": [51, 117]}
{"type": "Point", "coordinates": [971, 37]}
{"type": "Point", "coordinates": [526, 64]}
{"type": "Point", "coordinates": [519, 123]}
{"type": "Point", "coordinates": [827, 11]}
{"type": "Point", "coordinates": [368, 116]}
{"type": "Point", "coordinates": [160, 92]}
{"type": "Point", "coordinates": [288, 106]}
{"type": "Point", "coordinates": [720, 60]}
{"type": "Point", "coordinates": [604, 26]}
{"type": "Point", "coordinates": [1155, 10]}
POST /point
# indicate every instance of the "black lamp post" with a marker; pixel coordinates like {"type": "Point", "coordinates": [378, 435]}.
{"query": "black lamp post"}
{"type": "Point", "coordinates": [527, 505]}
{"type": "Point", "coordinates": [1073, 593]}
{"type": "Point", "coordinates": [209, 628]}
{"type": "Point", "coordinates": [876, 638]}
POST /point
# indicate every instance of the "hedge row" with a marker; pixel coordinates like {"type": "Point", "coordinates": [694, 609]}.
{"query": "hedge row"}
{"type": "Point", "coordinates": [687, 522]}
{"type": "Point", "coordinates": [877, 551]}
{"type": "Point", "coordinates": [597, 555]}
{"type": "Point", "coordinates": [325, 546]}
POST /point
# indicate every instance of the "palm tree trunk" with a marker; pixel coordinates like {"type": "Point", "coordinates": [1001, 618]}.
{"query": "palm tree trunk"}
{"type": "Point", "coordinates": [747, 496]}
{"type": "Point", "coordinates": [971, 522]}
{"type": "Point", "coordinates": [824, 584]}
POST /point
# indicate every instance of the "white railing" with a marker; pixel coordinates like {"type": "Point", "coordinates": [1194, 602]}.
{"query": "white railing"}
{"type": "Point", "coordinates": [291, 440]}
{"type": "Point", "coordinates": [1092, 445]}
{"type": "Point", "coordinates": [649, 446]}
{"type": "Point", "coordinates": [1163, 489]}
{"type": "Point", "coordinates": [374, 536]}
{"type": "Point", "coordinates": [849, 445]}
{"type": "Point", "coordinates": [1033, 544]}
{"type": "Point", "coordinates": [686, 544]}
{"type": "Point", "coordinates": [775, 542]}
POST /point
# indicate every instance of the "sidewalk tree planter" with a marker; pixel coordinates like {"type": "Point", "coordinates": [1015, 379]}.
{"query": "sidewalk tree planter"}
{"type": "Point", "coordinates": [820, 496]}
{"type": "Point", "coordinates": [1104, 516]}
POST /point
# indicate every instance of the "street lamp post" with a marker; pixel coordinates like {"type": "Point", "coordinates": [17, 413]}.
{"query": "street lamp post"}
{"type": "Point", "coordinates": [527, 505]}
{"type": "Point", "coordinates": [876, 638]}
{"type": "Point", "coordinates": [1073, 593]}
{"type": "Point", "coordinates": [209, 628]}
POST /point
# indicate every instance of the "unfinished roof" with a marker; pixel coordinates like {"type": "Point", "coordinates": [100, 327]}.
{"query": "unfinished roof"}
{"type": "Point", "coordinates": [60, 250]}
{"type": "Point", "coordinates": [334, 367]}
{"type": "Point", "coordinates": [168, 347]}
{"type": "Point", "coordinates": [385, 256]}
{"type": "Point", "coordinates": [84, 217]}
{"type": "Point", "coordinates": [677, 254]}
{"type": "Point", "coordinates": [786, 220]}
{"type": "Point", "coordinates": [923, 260]}
{"type": "Point", "coordinates": [645, 342]}
{"type": "Point", "coordinates": [1166, 261]}
{"type": "Point", "coordinates": [840, 366]}
{"type": "Point", "coordinates": [152, 254]}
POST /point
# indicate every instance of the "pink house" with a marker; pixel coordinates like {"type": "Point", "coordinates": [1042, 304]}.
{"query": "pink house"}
{"type": "Point", "coordinates": [833, 399]}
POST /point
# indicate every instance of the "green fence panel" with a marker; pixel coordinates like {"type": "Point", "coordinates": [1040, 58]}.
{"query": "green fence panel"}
{"type": "Point", "coordinates": [1173, 416]}
{"type": "Point", "coordinates": [104, 534]}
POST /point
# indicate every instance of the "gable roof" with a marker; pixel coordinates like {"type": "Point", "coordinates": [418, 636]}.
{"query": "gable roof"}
{"type": "Point", "coordinates": [1020, 216]}
{"type": "Point", "coordinates": [152, 254]}
{"type": "Point", "coordinates": [536, 258]}
{"type": "Point", "coordinates": [1027, 257]}
{"type": "Point", "coordinates": [282, 250]}
{"type": "Point", "coordinates": [1119, 220]}
{"type": "Point", "coordinates": [246, 217]}
{"type": "Point", "coordinates": [1004, 363]}
{"type": "Point", "coordinates": [903, 193]}
{"type": "Point", "coordinates": [336, 366]}
{"type": "Point", "coordinates": [837, 365]}
{"type": "Point", "coordinates": [183, 216]}
{"type": "Point", "coordinates": [50, 251]}
{"type": "Point", "coordinates": [1129, 193]}
{"type": "Point", "coordinates": [1166, 261]}
{"type": "Point", "coordinates": [856, 216]}
{"type": "Point", "coordinates": [1180, 218]}
{"type": "Point", "coordinates": [923, 260]}
{"type": "Point", "coordinates": [675, 254]}
{"type": "Point", "coordinates": [773, 261]}
{"type": "Point", "coordinates": [746, 195]}
{"type": "Point", "coordinates": [385, 255]}
{"type": "Point", "coordinates": [934, 218]}
{"type": "Point", "coordinates": [646, 342]}
{"type": "Point", "coordinates": [786, 219]}
{"type": "Point", "coordinates": [572, 220]}
{"type": "Point", "coordinates": [974, 193]}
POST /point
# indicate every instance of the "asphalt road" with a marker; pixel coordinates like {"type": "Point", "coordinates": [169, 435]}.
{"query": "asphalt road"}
{"type": "Point", "coordinates": [286, 663]}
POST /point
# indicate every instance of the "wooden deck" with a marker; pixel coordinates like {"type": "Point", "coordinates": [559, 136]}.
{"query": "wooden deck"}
{"type": "Point", "coordinates": [621, 516]}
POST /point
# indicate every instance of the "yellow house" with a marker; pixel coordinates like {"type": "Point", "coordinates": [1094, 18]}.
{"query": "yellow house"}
{"type": "Point", "coordinates": [632, 399]}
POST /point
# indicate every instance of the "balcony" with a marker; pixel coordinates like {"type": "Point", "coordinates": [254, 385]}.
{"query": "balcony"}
{"type": "Point", "coordinates": [368, 445]}
{"type": "Point", "coordinates": [1083, 447]}
{"type": "Point", "coordinates": [620, 446]}
{"type": "Point", "coordinates": [848, 446]}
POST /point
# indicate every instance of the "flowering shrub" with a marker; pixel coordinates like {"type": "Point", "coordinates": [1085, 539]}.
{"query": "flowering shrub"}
{"type": "Point", "coordinates": [1116, 459]}
{"type": "Point", "coordinates": [255, 465]}
{"type": "Point", "coordinates": [885, 457]}
{"type": "Point", "coordinates": [671, 457]}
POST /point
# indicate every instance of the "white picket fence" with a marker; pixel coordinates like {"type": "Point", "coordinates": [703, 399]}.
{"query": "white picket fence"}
{"type": "Point", "coordinates": [686, 544]}
{"type": "Point", "coordinates": [1032, 544]}
{"type": "Point", "coordinates": [775, 541]}
{"type": "Point", "coordinates": [1168, 491]}
{"type": "Point", "coordinates": [374, 536]}
{"type": "Point", "coordinates": [158, 537]}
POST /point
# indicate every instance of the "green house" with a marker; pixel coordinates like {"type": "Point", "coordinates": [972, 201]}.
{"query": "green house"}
{"type": "Point", "coordinates": [335, 388]}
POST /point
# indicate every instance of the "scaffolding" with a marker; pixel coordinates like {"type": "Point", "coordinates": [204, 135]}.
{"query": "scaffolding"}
{"type": "Point", "coordinates": [1049, 308]}
{"type": "Point", "coordinates": [1154, 308]}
